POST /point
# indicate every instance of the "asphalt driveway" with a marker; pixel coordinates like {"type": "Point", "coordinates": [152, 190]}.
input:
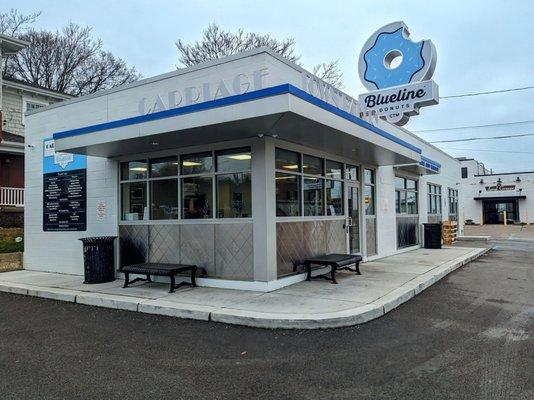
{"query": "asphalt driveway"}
{"type": "Point", "coordinates": [470, 336]}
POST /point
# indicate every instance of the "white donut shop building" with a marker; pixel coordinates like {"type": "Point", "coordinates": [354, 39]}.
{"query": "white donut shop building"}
{"type": "Point", "coordinates": [244, 166]}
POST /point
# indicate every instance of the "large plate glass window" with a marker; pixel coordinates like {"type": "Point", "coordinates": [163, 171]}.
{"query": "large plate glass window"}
{"type": "Point", "coordinates": [164, 199]}
{"type": "Point", "coordinates": [334, 197]}
{"type": "Point", "coordinates": [134, 200]}
{"type": "Point", "coordinates": [234, 193]}
{"type": "Point", "coordinates": [287, 195]}
{"type": "Point", "coordinates": [313, 193]}
{"type": "Point", "coordinates": [434, 199]}
{"type": "Point", "coordinates": [197, 191]}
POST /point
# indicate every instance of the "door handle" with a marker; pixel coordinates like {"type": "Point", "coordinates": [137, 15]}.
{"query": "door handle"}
{"type": "Point", "coordinates": [349, 221]}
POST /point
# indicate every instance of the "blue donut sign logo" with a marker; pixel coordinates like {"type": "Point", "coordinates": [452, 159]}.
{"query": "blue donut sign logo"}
{"type": "Point", "coordinates": [397, 71]}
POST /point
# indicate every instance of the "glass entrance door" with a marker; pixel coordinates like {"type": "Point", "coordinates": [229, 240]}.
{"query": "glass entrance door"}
{"type": "Point", "coordinates": [353, 219]}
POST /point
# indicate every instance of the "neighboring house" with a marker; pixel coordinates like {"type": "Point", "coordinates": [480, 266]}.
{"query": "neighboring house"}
{"type": "Point", "coordinates": [17, 98]}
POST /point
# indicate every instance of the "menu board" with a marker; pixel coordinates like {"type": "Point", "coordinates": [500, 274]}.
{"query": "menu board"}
{"type": "Point", "coordinates": [64, 190]}
{"type": "Point", "coordinates": [65, 201]}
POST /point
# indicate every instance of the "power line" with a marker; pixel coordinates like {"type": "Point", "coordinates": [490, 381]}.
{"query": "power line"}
{"type": "Point", "coordinates": [485, 93]}
{"type": "Point", "coordinates": [484, 138]}
{"type": "Point", "coordinates": [488, 150]}
{"type": "Point", "coordinates": [454, 128]}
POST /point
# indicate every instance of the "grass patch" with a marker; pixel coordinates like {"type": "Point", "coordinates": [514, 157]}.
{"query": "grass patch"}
{"type": "Point", "coordinates": [8, 244]}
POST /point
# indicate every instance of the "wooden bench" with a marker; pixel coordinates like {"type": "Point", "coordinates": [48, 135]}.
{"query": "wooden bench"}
{"type": "Point", "coordinates": [159, 269]}
{"type": "Point", "coordinates": [336, 262]}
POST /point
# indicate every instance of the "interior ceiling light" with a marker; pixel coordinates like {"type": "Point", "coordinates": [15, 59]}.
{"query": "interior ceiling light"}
{"type": "Point", "coordinates": [292, 166]}
{"type": "Point", "coordinates": [138, 169]}
{"type": "Point", "coordinates": [240, 157]}
{"type": "Point", "coordinates": [191, 164]}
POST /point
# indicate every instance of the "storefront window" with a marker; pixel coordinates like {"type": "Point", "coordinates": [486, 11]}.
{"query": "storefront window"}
{"type": "Point", "coordinates": [234, 196]}
{"type": "Point", "coordinates": [369, 191]}
{"type": "Point", "coordinates": [134, 201]}
{"type": "Point", "coordinates": [352, 172]}
{"type": "Point", "coordinates": [334, 197]}
{"type": "Point", "coordinates": [406, 196]}
{"type": "Point", "coordinates": [287, 160]}
{"type": "Point", "coordinates": [312, 165]}
{"type": "Point", "coordinates": [197, 163]}
{"type": "Point", "coordinates": [164, 199]}
{"type": "Point", "coordinates": [434, 199]}
{"type": "Point", "coordinates": [453, 203]}
{"type": "Point", "coordinates": [166, 166]}
{"type": "Point", "coordinates": [234, 160]}
{"type": "Point", "coordinates": [287, 195]}
{"type": "Point", "coordinates": [197, 197]}
{"type": "Point", "coordinates": [133, 170]}
{"type": "Point", "coordinates": [313, 189]}
{"type": "Point", "coordinates": [334, 169]}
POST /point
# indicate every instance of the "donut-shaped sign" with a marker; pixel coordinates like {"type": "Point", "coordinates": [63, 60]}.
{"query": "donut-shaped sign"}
{"type": "Point", "coordinates": [389, 58]}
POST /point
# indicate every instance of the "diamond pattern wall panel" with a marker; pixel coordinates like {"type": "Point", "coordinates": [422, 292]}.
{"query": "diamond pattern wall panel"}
{"type": "Point", "coordinates": [370, 235]}
{"type": "Point", "coordinates": [290, 246]}
{"type": "Point", "coordinates": [234, 251]}
{"type": "Point", "coordinates": [336, 237]}
{"type": "Point", "coordinates": [164, 244]}
{"type": "Point", "coordinates": [314, 235]}
{"type": "Point", "coordinates": [133, 242]}
{"type": "Point", "coordinates": [197, 243]}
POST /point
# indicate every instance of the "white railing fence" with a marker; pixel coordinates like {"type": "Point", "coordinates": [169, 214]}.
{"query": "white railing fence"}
{"type": "Point", "coordinates": [13, 197]}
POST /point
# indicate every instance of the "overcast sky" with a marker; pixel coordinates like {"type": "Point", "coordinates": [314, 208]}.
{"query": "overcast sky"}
{"type": "Point", "coordinates": [481, 45]}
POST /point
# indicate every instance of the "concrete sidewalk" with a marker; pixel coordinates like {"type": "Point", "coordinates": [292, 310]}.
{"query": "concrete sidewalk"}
{"type": "Point", "coordinates": [383, 286]}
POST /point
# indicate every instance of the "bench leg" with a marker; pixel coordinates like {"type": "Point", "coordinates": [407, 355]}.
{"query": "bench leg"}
{"type": "Point", "coordinates": [333, 274]}
{"type": "Point", "coordinates": [126, 279]}
{"type": "Point", "coordinates": [193, 274]}
{"type": "Point", "coordinates": [308, 268]}
{"type": "Point", "coordinates": [148, 280]}
{"type": "Point", "coordinates": [358, 268]}
{"type": "Point", "coordinates": [173, 285]}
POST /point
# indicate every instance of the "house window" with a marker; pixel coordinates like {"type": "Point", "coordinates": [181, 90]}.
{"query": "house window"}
{"type": "Point", "coordinates": [434, 199]}
{"type": "Point", "coordinates": [30, 105]}
{"type": "Point", "coordinates": [464, 172]}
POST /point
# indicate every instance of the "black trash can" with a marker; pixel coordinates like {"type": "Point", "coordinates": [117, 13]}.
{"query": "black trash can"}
{"type": "Point", "coordinates": [432, 236]}
{"type": "Point", "coordinates": [99, 259]}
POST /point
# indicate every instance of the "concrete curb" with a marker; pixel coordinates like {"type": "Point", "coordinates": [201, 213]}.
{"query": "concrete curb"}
{"type": "Point", "coordinates": [228, 315]}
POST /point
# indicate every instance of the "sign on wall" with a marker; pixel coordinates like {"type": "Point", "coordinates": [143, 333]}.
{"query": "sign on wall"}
{"type": "Point", "coordinates": [64, 190]}
{"type": "Point", "coordinates": [397, 71]}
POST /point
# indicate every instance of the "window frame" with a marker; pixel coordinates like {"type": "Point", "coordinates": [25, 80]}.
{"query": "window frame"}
{"type": "Point", "coordinates": [403, 193]}
{"type": "Point", "coordinates": [434, 195]}
{"type": "Point", "coordinates": [302, 175]}
{"type": "Point", "coordinates": [212, 174]}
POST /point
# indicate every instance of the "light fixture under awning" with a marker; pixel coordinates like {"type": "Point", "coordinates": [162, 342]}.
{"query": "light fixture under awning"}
{"type": "Point", "coordinates": [284, 111]}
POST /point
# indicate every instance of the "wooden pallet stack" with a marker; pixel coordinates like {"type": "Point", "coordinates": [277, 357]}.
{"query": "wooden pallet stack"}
{"type": "Point", "coordinates": [450, 232]}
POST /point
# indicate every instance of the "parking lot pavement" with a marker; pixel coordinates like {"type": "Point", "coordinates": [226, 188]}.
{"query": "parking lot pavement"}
{"type": "Point", "coordinates": [467, 337]}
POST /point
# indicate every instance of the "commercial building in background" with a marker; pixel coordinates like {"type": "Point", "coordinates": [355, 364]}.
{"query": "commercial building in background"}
{"type": "Point", "coordinates": [16, 98]}
{"type": "Point", "coordinates": [244, 165]}
{"type": "Point", "coordinates": [492, 198]}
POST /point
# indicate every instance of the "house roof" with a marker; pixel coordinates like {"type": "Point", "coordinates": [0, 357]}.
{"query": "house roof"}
{"type": "Point", "coordinates": [11, 45]}
{"type": "Point", "coordinates": [33, 87]}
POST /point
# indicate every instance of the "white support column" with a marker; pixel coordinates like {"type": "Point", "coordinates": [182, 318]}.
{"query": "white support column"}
{"type": "Point", "coordinates": [264, 209]}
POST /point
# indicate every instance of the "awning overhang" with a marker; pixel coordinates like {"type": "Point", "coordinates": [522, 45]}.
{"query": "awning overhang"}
{"type": "Point", "coordinates": [284, 111]}
{"type": "Point", "coordinates": [424, 167]}
{"type": "Point", "coordinates": [501, 198]}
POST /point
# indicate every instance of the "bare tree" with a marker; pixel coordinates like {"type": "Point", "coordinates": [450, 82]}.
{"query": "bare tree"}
{"type": "Point", "coordinates": [330, 72]}
{"type": "Point", "coordinates": [217, 43]}
{"type": "Point", "coordinates": [68, 60]}
{"type": "Point", "coordinates": [13, 23]}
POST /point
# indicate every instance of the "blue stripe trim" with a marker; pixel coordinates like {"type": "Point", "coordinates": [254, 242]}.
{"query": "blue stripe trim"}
{"type": "Point", "coordinates": [430, 164]}
{"type": "Point", "coordinates": [231, 100]}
